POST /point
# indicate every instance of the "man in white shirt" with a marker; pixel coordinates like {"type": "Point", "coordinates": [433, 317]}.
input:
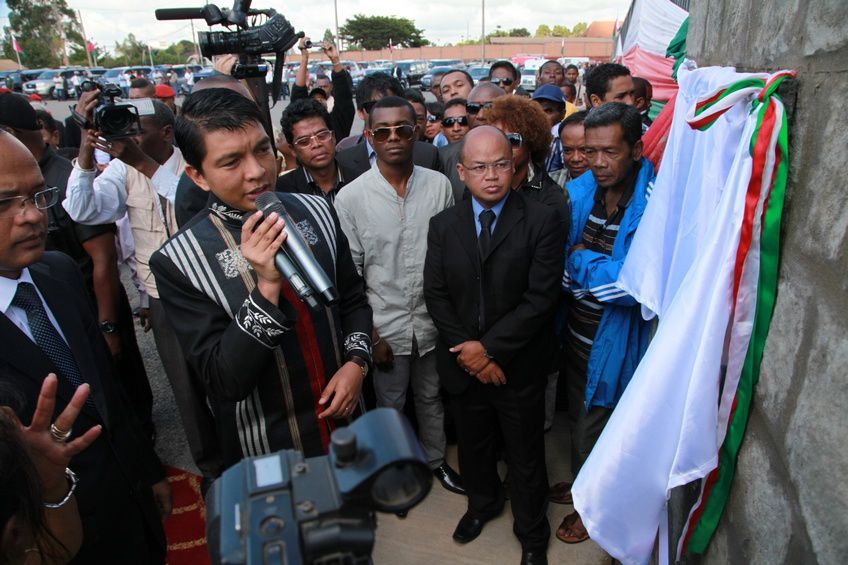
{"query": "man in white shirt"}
{"type": "Point", "coordinates": [141, 181]}
{"type": "Point", "coordinates": [385, 214]}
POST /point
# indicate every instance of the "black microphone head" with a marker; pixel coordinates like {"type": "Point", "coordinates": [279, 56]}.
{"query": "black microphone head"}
{"type": "Point", "coordinates": [269, 202]}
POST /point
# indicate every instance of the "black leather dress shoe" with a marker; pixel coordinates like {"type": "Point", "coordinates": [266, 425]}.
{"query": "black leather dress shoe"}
{"type": "Point", "coordinates": [449, 478]}
{"type": "Point", "coordinates": [538, 557]}
{"type": "Point", "coordinates": [468, 528]}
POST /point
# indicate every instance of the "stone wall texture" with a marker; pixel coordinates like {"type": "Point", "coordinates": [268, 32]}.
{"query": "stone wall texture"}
{"type": "Point", "coordinates": [789, 502]}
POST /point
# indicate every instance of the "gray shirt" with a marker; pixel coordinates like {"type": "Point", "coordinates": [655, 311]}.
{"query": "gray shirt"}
{"type": "Point", "coordinates": [388, 241]}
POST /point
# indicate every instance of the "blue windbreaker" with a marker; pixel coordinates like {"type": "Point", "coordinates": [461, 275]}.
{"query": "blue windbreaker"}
{"type": "Point", "coordinates": [622, 335]}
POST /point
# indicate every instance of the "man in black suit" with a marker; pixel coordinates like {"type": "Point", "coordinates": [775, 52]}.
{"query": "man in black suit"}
{"type": "Point", "coordinates": [493, 303]}
{"type": "Point", "coordinates": [48, 326]}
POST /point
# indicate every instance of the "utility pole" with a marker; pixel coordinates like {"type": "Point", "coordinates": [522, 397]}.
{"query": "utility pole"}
{"type": "Point", "coordinates": [84, 38]}
{"type": "Point", "coordinates": [196, 46]}
{"type": "Point", "coordinates": [483, 34]}
{"type": "Point", "coordinates": [16, 48]}
{"type": "Point", "coordinates": [338, 39]}
{"type": "Point", "coordinates": [150, 52]}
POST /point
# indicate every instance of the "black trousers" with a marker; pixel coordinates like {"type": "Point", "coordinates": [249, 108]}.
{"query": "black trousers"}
{"type": "Point", "coordinates": [586, 426]}
{"type": "Point", "coordinates": [129, 367]}
{"type": "Point", "coordinates": [197, 417]}
{"type": "Point", "coordinates": [482, 414]}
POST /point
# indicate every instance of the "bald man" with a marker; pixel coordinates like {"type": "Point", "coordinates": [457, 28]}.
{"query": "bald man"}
{"type": "Point", "coordinates": [491, 283]}
{"type": "Point", "coordinates": [479, 99]}
{"type": "Point", "coordinates": [47, 326]}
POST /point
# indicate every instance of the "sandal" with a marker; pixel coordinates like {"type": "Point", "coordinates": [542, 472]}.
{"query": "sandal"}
{"type": "Point", "coordinates": [571, 529]}
{"type": "Point", "coordinates": [560, 493]}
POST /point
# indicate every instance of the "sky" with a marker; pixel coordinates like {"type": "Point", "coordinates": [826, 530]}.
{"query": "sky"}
{"type": "Point", "coordinates": [443, 21]}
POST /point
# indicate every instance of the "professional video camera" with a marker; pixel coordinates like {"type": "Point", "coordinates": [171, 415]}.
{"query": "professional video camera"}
{"type": "Point", "coordinates": [276, 35]}
{"type": "Point", "coordinates": [111, 119]}
{"type": "Point", "coordinates": [282, 508]}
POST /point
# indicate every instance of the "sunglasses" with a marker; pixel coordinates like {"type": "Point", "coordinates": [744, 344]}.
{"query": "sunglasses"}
{"type": "Point", "coordinates": [404, 132]}
{"type": "Point", "coordinates": [306, 140]}
{"type": "Point", "coordinates": [515, 139]}
{"type": "Point", "coordinates": [449, 122]}
{"type": "Point", "coordinates": [504, 80]}
{"type": "Point", "coordinates": [474, 107]}
{"type": "Point", "coordinates": [432, 118]}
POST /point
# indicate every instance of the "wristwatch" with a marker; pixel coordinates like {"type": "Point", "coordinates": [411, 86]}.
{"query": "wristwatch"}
{"type": "Point", "coordinates": [363, 364]}
{"type": "Point", "coordinates": [108, 327]}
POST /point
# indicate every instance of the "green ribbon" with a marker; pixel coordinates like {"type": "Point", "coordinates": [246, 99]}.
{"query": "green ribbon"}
{"type": "Point", "coordinates": [766, 295]}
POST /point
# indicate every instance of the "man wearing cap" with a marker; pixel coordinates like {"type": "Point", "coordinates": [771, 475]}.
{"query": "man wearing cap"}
{"type": "Point", "coordinates": [166, 95]}
{"type": "Point", "coordinates": [93, 250]}
{"type": "Point", "coordinates": [556, 108]}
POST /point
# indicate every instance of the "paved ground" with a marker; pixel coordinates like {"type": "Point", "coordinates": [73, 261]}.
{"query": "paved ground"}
{"type": "Point", "coordinates": [424, 537]}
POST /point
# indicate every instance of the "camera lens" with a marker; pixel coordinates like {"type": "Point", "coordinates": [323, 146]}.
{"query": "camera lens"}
{"type": "Point", "coordinates": [307, 44]}
{"type": "Point", "coordinates": [115, 121]}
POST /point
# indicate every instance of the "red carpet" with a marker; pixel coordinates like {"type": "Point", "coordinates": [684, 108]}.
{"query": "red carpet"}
{"type": "Point", "coordinates": [186, 528]}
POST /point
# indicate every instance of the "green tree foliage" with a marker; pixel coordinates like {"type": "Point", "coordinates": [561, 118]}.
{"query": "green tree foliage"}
{"type": "Point", "coordinates": [39, 26]}
{"type": "Point", "coordinates": [328, 36]}
{"type": "Point", "coordinates": [374, 32]}
{"type": "Point", "coordinates": [175, 54]}
{"type": "Point", "coordinates": [579, 30]}
{"type": "Point", "coordinates": [561, 31]}
{"type": "Point", "coordinates": [518, 32]}
{"type": "Point", "coordinates": [131, 51]}
{"type": "Point", "coordinates": [543, 31]}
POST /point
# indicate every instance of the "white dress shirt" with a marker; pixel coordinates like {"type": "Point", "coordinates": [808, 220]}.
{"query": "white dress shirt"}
{"type": "Point", "coordinates": [8, 288]}
{"type": "Point", "coordinates": [103, 200]}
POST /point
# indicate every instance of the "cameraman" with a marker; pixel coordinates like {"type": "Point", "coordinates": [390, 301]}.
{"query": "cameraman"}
{"type": "Point", "coordinates": [141, 181]}
{"type": "Point", "coordinates": [342, 111]}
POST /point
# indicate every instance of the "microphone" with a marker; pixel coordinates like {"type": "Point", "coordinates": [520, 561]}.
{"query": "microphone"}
{"type": "Point", "coordinates": [296, 250]}
{"type": "Point", "coordinates": [179, 14]}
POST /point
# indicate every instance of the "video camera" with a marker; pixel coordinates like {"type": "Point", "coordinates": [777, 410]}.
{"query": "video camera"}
{"type": "Point", "coordinates": [284, 509]}
{"type": "Point", "coordinates": [111, 119]}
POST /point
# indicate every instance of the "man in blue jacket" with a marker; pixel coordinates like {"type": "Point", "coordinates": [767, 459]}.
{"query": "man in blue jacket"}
{"type": "Point", "coordinates": [606, 335]}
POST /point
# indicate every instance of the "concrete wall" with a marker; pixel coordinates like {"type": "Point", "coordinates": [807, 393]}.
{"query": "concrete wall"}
{"type": "Point", "coordinates": [789, 502]}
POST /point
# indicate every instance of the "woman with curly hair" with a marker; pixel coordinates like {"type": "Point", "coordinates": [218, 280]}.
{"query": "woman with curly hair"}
{"type": "Point", "coordinates": [526, 127]}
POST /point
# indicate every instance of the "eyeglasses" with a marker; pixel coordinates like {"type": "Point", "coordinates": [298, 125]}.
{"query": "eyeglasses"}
{"type": "Point", "coordinates": [474, 107]}
{"type": "Point", "coordinates": [503, 80]}
{"type": "Point", "coordinates": [449, 122]}
{"type": "Point", "coordinates": [368, 106]}
{"type": "Point", "coordinates": [404, 132]}
{"type": "Point", "coordinates": [515, 139]}
{"type": "Point", "coordinates": [480, 169]}
{"type": "Point", "coordinates": [306, 140]}
{"type": "Point", "coordinates": [432, 118]}
{"type": "Point", "coordinates": [14, 205]}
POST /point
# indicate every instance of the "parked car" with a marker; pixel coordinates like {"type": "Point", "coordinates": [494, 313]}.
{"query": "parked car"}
{"type": "Point", "coordinates": [413, 70]}
{"type": "Point", "coordinates": [43, 84]}
{"type": "Point", "coordinates": [528, 79]}
{"type": "Point", "coordinates": [478, 73]}
{"type": "Point", "coordinates": [453, 63]}
{"type": "Point", "coordinates": [15, 79]}
{"type": "Point", "coordinates": [427, 79]}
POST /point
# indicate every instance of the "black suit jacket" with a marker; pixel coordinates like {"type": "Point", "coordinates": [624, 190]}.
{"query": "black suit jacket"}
{"type": "Point", "coordinates": [521, 279]}
{"type": "Point", "coordinates": [449, 157]}
{"type": "Point", "coordinates": [116, 471]}
{"type": "Point", "coordinates": [295, 181]}
{"type": "Point", "coordinates": [355, 159]}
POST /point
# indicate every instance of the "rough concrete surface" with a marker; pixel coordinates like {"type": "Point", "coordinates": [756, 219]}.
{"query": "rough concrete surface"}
{"type": "Point", "coordinates": [789, 502]}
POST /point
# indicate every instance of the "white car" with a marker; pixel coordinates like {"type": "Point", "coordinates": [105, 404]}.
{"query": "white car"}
{"type": "Point", "coordinates": [528, 80]}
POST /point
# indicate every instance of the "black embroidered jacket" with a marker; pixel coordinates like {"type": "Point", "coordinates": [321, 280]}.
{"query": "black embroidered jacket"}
{"type": "Point", "coordinates": [263, 367]}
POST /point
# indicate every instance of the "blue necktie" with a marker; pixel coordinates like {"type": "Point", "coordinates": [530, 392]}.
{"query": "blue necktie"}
{"type": "Point", "coordinates": [47, 337]}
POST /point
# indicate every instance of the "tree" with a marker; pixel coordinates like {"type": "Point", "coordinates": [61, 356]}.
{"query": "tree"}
{"type": "Point", "coordinates": [543, 31]}
{"type": "Point", "coordinates": [561, 31]}
{"type": "Point", "coordinates": [328, 36]}
{"type": "Point", "coordinates": [131, 51]}
{"type": "Point", "coordinates": [39, 28]}
{"type": "Point", "coordinates": [374, 32]}
{"type": "Point", "coordinates": [518, 32]}
{"type": "Point", "coordinates": [579, 30]}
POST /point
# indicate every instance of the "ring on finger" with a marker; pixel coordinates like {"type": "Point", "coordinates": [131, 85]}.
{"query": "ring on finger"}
{"type": "Point", "coordinates": [59, 434]}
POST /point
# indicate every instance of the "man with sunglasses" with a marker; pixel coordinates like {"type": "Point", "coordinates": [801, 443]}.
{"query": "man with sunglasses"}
{"type": "Point", "coordinates": [491, 278]}
{"type": "Point", "coordinates": [385, 214]}
{"type": "Point", "coordinates": [506, 76]}
{"type": "Point", "coordinates": [356, 152]}
{"type": "Point", "coordinates": [306, 127]}
{"type": "Point", "coordinates": [455, 120]}
{"type": "Point", "coordinates": [479, 102]}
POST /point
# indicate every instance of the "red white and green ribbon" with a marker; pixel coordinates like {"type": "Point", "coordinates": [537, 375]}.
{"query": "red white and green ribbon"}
{"type": "Point", "coordinates": [757, 259]}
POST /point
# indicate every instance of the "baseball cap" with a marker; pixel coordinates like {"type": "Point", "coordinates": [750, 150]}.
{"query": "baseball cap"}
{"type": "Point", "coordinates": [165, 91]}
{"type": "Point", "coordinates": [16, 112]}
{"type": "Point", "coordinates": [549, 92]}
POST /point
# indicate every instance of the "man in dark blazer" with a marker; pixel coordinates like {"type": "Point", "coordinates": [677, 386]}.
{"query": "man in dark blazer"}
{"type": "Point", "coordinates": [491, 283]}
{"type": "Point", "coordinates": [47, 326]}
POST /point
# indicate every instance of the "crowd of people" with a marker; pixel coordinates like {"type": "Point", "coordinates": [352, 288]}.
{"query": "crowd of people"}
{"type": "Point", "coordinates": [474, 243]}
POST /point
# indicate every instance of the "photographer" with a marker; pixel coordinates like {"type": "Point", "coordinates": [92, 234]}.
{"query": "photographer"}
{"type": "Point", "coordinates": [342, 111]}
{"type": "Point", "coordinates": [141, 181]}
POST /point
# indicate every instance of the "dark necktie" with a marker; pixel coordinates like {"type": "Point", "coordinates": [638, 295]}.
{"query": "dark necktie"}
{"type": "Point", "coordinates": [484, 243]}
{"type": "Point", "coordinates": [487, 218]}
{"type": "Point", "coordinates": [47, 337]}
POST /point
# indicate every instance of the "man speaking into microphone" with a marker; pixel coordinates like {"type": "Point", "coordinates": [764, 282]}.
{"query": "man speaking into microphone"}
{"type": "Point", "coordinates": [279, 362]}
